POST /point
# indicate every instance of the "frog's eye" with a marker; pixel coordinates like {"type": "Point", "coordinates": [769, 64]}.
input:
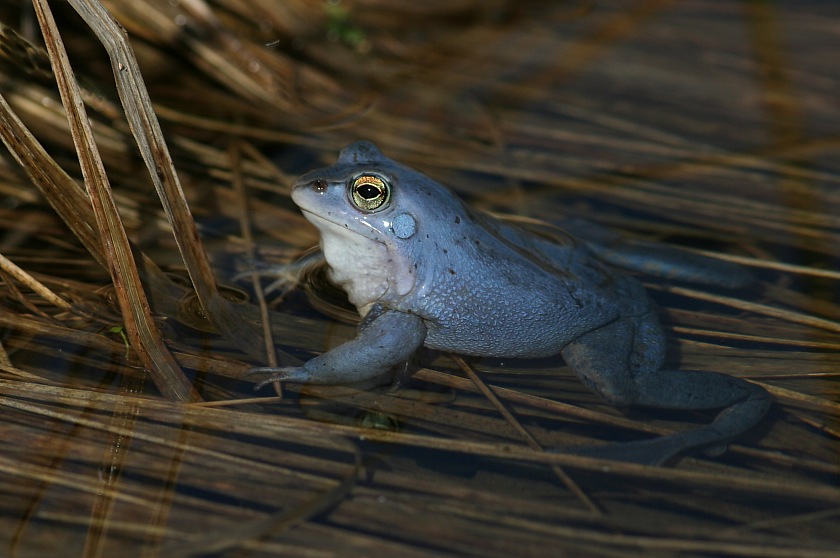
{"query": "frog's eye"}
{"type": "Point", "coordinates": [369, 192]}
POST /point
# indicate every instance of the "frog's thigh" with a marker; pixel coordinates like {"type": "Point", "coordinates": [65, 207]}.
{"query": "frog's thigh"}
{"type": "Point", "coordinates": [602, 360]}
{"type": "Point", "coordinates": [621, 362]}
{"type": "Point", "coordinates": [617, 360]}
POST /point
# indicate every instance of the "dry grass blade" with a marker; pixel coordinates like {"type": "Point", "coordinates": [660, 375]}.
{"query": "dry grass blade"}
{"type": "Point", "coordinates": [147, 133]}
{"type": "Point", "coordinates": [543, 403]}
{"type": "Point", "coordinates": [235, 154]}
{"type": "Point", "coordinates": [488, 393]}
{"type": "Point", "coordinates": [762, 309]}
{"type": "Point", "coordinates": [142, 332]}
{"type": "Point", "coordinates": [4, 357]}
{"type": "Point", "coordinates": [42, 290]}
{"type": "Point", "coordinates": [66, 197]}
{"type": "Point", "coordinates": [271, 525]}
{"type": "Point", "coordinates": [60, 190]}
{"type": "Point", "coordinates": [256, 424]}
{"type": "Point", "coordinates": [157, 428]}
{"type": "Point", "coordinates": [779, 266]}
{"type": "Point", "coordinates": [700, 124]}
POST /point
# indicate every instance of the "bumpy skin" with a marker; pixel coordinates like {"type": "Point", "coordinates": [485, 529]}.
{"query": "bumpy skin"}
{"type": "Point", "coordinates": [423, 269]}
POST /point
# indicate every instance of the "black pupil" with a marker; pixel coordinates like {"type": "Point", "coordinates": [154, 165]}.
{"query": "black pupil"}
{"type": "Point", "coordinates": [368, 191]}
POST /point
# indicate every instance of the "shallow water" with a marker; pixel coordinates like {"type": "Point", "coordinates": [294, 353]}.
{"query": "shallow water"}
{"type": "Point", "coordinates": [708, 125]}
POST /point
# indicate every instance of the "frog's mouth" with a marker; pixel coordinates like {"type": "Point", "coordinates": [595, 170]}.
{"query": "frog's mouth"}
{"type": "Point", "coordinates": [329, 226]}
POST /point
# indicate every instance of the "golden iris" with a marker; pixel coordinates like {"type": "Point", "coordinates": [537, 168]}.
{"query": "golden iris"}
{"type": "Point", "coordinates": [369, 192]}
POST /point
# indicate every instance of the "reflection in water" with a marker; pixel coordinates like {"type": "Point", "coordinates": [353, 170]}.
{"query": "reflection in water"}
{"type": "Point", "coordinates": [707, 124]}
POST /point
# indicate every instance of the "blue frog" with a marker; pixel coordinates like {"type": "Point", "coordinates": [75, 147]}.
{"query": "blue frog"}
{"type": "Point", "coordinates": [422, 268]}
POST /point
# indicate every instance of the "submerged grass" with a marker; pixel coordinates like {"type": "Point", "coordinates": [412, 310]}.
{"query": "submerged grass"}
{"type": "Point", "coordinates": [524, 108]}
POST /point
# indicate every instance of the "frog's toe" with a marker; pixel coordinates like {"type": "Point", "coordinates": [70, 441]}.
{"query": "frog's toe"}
{"type": "Point", "coordinates": [287, 374]}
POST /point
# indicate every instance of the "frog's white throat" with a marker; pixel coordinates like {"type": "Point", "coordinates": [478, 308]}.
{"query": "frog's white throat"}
{"type": "Point", "coordinates": [365, 268]}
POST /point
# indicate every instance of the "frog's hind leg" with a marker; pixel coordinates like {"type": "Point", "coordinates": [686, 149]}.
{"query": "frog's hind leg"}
{"type": "Point", "coordinates": [744, 406]}
{"type": "Point", "coordinates": [615, 362]}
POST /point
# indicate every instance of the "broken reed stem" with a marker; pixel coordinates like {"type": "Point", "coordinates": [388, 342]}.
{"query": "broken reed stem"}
{"type": "Point", "coordinates": [5, 361]}
{"type": "Point", "coordinates": [147, 132]}
{"type": "Point", "coordinates": [771, 264]}
{"type": "Point", "coordinates": [235, 156]}
{"type": "Point", "coordinates": [57, 187]}
{"type": "Point", "coordinates": [488, 393]}
{"type": "Point", "coordinates": [762, 309]}
{"type": "Point", "coordinates": [142, 331]}
{"type": "Point", "coordinates": [274, 523]}
{"type": "Point", "coordinates": [39, 288]}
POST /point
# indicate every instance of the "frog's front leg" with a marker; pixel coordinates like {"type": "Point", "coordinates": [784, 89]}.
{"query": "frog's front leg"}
{"type": "Point", "coordinates": [386, 338]}
{"type": "Point", "coordinates": [621, 362]}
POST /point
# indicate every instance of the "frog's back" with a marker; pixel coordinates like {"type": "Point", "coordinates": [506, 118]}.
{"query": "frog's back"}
{"type": "Point", "coordinates": [492, 292]}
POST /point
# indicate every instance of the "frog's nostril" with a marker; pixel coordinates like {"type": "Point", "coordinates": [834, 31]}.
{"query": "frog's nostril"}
{"type": "Point", "coordinates": [319, 185]}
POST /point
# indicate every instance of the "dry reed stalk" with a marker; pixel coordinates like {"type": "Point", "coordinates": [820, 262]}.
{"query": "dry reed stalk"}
{"type": "Point", "coordinates": [467, 91]}
{"type": "Point", "coordinates": [153, 148]}
{"type": "Point", "coordinates": [144, 336]}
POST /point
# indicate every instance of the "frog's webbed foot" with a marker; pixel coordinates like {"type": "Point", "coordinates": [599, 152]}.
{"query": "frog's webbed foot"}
{"type": "Point", "coordinates": [283, 374]}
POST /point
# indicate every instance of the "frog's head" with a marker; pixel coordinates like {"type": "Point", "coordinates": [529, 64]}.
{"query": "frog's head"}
{"type": "Point", "coordinates": [377, 220]}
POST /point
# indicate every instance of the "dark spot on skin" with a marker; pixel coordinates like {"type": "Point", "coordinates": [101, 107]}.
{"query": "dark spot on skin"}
{"type": "Point", "coordinates": [452, 271]}
{"type": "Point", "coordinates": [445, 251]}
{"type": "Point", "coordinates": [457, 219]}
{"type": "Point", "coordinates": [477, 242]}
